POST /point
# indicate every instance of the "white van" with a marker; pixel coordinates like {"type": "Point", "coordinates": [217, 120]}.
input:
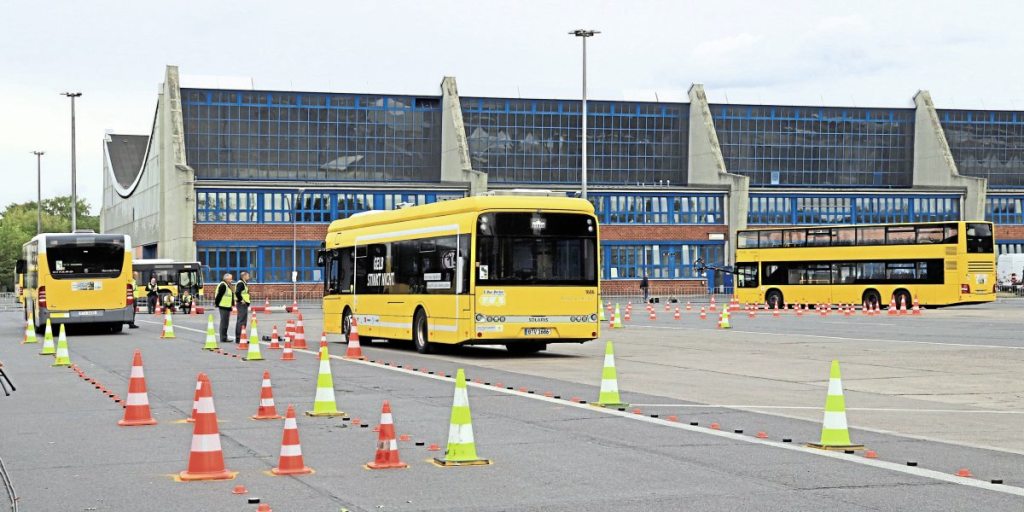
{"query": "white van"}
{"type": "Point", "coordinates": [1009, 266]}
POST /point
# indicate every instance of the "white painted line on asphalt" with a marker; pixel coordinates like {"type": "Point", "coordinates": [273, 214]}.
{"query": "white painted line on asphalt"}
{"type": "Point", "coordinates": [840, 338]}
{"type": "Point", "coordinates": [802, 407]}
{"type": "Point", "coordinates": [876, 463]}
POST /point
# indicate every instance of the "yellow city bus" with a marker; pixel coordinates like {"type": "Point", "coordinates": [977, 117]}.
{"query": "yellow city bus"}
{"type": "Point", "coordinates": [939, 263]}
{"type": "Point", "coordinates": [514, 270]}
{"type": "Point", "coordinates": [172, 278]}
{"type": "Point", "coordinates": [73, 278]}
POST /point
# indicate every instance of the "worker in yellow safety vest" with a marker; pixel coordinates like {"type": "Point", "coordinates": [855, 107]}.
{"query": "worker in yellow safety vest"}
{"type": "Point", "coordinates": [224, 299]}
{"type": "Point", "coordinates": [242, 300]}
{"type": "Point", "coordinates": [131, 325]}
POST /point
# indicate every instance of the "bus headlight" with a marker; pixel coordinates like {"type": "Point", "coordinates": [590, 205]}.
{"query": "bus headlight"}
{"type": "Point", "coordinates": [479, 317]}
{"type": "Point", "coordinates": [593, 317]}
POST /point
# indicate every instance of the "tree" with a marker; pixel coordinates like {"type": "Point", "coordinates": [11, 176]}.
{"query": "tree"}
{"type": "Point", "coordinates": [18, 225]}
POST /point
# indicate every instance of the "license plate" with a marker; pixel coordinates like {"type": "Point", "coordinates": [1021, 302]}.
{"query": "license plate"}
{"type": "Point", "coordinates": [532, 331]}
{"type": "Point", "coordinates": [88, 313]}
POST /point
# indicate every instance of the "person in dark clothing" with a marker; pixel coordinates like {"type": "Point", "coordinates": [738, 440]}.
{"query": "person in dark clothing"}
{"type": "Point", "coordinates": [242, 299]}
{"type": "Point", "coordinates": [186, 302]}
{"type": "Point", "coordinates": [644, 287]}
{"type": "Point", "coordinates": [152, 294]}
{"type": "Point", "coordinates": [224, 299]}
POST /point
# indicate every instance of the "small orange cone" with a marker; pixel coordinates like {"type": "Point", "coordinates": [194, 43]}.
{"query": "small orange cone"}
{"type": "Point", "coordinates": [264, 507]}
{"type": "Point", "coordinates": [287, 354]}
{"type": "Point", "coordinates": [266, 304]}
{"type": "Point", "coordinates": [892, 307]}
{"type": "Point", "coordinates": [243, 344]}
{"type": "Point", "coordinates": [158, 310]}
{"type": "Point", "coordinates": [267, 410]}
{"type": "Point", "coordinates": [289, 328]}
{"type": "Point", "coordinates": [916, 310]}
{"type": "Point", "coordinates": [653, 316]}
{"type": "Point", "coordinates": [964, 472]}
{"type": "Point", "coordinates": [206, 458]}
{"type": "Point", "coordinates": [688, 306]}
{"type": "Point", "coordinates": [387, 445]}
{"type": "Point", "coordinates": [136, 412]}
{"type": "Point", "coordinates": [274, 341]}
{"type": "Point", "coordinates": [626, 315]}
{"type": "Point", "coordinates": [299, 340]}
{"type": "Point", "coordinates": [703, 313]}
{"type": "Point", "coordinates": [290, 462]}
{"type": "Point", "coordinates": [195, 398]}
{"type": "Point", "coordinates": [354, 351]}
{"type": "Point", "coordinates": [678, 315]}
{"type": "Point", "coordinates": [903, 305]}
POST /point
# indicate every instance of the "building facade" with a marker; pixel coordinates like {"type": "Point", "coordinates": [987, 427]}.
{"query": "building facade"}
{"type": "Point", "coordinates": [250, 179]}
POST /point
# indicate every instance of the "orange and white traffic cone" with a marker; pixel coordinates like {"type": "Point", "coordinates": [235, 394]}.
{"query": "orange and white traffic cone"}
{"type": "Point", "coordinates": [917, 307]}
{"type": "Point", "coordinates": [626, 316]}
{"type": "Point", "coordinates": [751, 312]}
{"type": "Point", "coordinates": [243, 341]}
{"type": "Point", "coordinates": [703, 313]}
{"type": "Point", "coordinates": [892, 307]}
{"type": "Point", "coordinates": [299, 340]}
{"type": "Point", "coordinates": [159, 310]}
{"type": "Point", "coordinates": [206, 458]}
{"type": "Point", "coordinates": [289, 329]}
{"type": "Point", "coordinates": [688, 306]}
{"type": "Point", "coordinates": [136, 412]}
{"type": "Point", "coordinates": [864, 309]}
{"type": "Point", "coordinates": [775, 311]}
{"type": "Point", "coordinates": [678, 315]}
{"type": "Point", "coordinates": [294, 308]}
{"type": "Point", "coordinates": [355, 351]}
{"type": "Point", "coordinates": [267, 410]}
{"type": "Point", "coordinates": [611, 320]}
{"type": "Point", "coordinates": [667, 307]}
{"type": "Point", "coordinates": [266, 304]}
{"type": "Point", "coordinates": [275, 343]}
{"type": "Point", "coordinates": [290, 461]}
{"type": "Point", "coordinates": [712, 307]}
{"type": "Point", "coordinates": [287, 354]}
{"type": "Point", "coordinates": [903, 305]}
{"type": "Point", "coordinates": [195, 398]}
{"type": "Point", "coordinates": [653, 315]}
{"type": "Point", "coordinates": [387, 444]}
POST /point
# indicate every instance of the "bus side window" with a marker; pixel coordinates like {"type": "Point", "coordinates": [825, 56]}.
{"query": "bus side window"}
{"type": "Point", "coordinates": [343, 265]}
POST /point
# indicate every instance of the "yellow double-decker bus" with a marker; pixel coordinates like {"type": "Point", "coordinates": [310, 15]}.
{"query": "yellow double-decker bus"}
{"type": "Point", "coordinates": [73, 278]}
{"type": "Point", "coordinates": [938, 263]}
{"type": "Point", "coordinates": [516, 270]}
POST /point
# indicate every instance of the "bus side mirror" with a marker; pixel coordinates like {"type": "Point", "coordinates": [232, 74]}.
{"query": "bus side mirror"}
{"type": "Point", "coordinates": [321, 258]}
{"type": "Point", "coordinates": [20, 267]}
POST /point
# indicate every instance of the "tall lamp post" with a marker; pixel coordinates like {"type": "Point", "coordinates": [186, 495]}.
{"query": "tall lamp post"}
{"type": "Point", "coordinates": [584, 34]}
{"type": "Point", "coordinates": [74, 174]}
{"type": "Point", "coordinates": [39, 190]}
{"type": "Point", "coordinates": [295, 270]}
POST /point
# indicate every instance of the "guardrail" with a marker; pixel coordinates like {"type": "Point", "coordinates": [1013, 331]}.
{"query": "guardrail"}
{"type": "Point", "coordinates": [9, 302]}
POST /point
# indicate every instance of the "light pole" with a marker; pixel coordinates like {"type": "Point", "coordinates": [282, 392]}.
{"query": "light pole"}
{"type": "Point", "coordinates": [295, 271]}
{"type": "Point", "coordinates": [74, 191]}
{"type": "Point", "coordinates": [39, 190]}
{"type": "Point", "coordinates": [584, 34]}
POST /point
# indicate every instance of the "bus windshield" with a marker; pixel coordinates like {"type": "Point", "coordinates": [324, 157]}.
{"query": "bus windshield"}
{"type": "Point", "coordinates": [536, 248]}
{"type": "Point", "coordinates": [73, 257]}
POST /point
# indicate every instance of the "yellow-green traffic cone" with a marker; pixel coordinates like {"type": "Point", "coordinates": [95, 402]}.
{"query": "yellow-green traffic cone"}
{"type": "Point", "coordinates": [609, 396]}
{"type": "Point", "coordinates": [600, 314]}
{"type": "Point", "coordinates": [617, 318]}
{"type": "Point", "coordinates": [211, 335]}
{"type": "Point", "coordinates": [461, 449]}
{"type": "Point", "coordinates": [254, 344]}
{"type": "Point", "coordinates": [30, 330]}
{"type": "Point", "coordinates": [168, 332]}
{"type": "Point", "coordinates": [324, 404]}
{"type": "Point", "coordinates": [835, 433]}
{"type": "Point", "coordinates": [725, 319]}
{"type": "Point", "coordinates": [48, 348]}
{"type": "Point", "coordinates": [62, 359]}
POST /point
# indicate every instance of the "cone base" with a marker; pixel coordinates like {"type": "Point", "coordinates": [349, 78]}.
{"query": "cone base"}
{"type": "Point", "coordinates": [185, 476]}
{"type": "Point", "coordinates": [61, 364]}
{"type": "Point", "coordinates": [48, 353]}
{"type": "Point", "coordinates": [166, 337]}
{"type": "Point", "coordinates": [304, 470]}
{"type": "Point", "coordinates": [247, 358]}
{"type": "Point", "coordinates": [391, 465]}
{"type": "Point", "coordinates": [136, 423]}
{"type": "Point", "coordinates": [609, 405]}
{"type": "Point", "coordinates": [242, 348]}
{"type": "Point", "coordinates": [447, 463]}
{"type": "Point", "coordinates": [328, 414]}
{"type": "Point", "coordinates": [836, 447]}
{"type": "Point", "coordinates": [274, 417]}
{"type": "Point", "coordinates": [289, 358]}
{"type": "Point", "coordinates": [355, 358]}
{"type": "Point", "coordinates": [29, 342]}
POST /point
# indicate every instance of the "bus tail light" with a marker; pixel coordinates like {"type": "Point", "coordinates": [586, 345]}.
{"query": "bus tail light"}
{"type": "Point", "coordinates": [42, 297]}
{"type": "Point", "coordinates": [130, 295]}
{"type": "Point", "coordinates": [965, 288]}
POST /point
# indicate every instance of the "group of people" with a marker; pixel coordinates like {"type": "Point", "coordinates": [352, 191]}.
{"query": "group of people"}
{"type": "Point", "coordinates": [227, 297]}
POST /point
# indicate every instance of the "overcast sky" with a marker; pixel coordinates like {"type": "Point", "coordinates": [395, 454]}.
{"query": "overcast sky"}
{"type": "Point", "coordinates": [867, 53]}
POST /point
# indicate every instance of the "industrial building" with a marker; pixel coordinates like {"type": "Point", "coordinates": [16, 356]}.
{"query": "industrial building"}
{"type": "Point", "coordinates": [232, 177]}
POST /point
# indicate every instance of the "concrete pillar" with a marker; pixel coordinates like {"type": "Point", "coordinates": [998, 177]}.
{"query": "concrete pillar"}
{"type": "Point", "coordinates": [455, 163]}
{"type": "Point", "coordinates": [177, 179]}
{"type": "Point", "coordinates": [706, 167]}
{"type": "Point", "coordinates": [934, 167]}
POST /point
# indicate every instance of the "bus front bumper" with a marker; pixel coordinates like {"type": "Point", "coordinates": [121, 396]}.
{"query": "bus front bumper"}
{"type": "Point", "coordinates": [90, 316]}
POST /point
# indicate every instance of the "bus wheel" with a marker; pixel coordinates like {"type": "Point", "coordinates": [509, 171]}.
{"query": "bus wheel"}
{"type": "Point", "coordinates": [903, 297]}
{"type": "Point", "coordinates": [419, 332]}
{"type": "Point", "coordinates": [872, 298]}
{"type": "Point", "coordinates": [774, 299]}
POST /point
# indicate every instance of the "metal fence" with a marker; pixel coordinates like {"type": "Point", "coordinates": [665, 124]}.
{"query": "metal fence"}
{"type": "Point", "coordinates": [9, 302]}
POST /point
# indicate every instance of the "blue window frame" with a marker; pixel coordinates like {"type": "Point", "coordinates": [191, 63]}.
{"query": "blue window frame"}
{"type": "Point", "coordinates": [267, 262]}
{"type": "Point", "coordinates": [266, 135]}
{"type": "Point", "coordinates": [1010, 246]}
{"type": "Point", "coordinates": [312, 206]}
{"type": "Point", "coordinates": [1005, 209]}
{"type": "Point", "coordinates": [658, 208]}
{"type": "Point", "coordinates": [817, 146]}
{"type": "Point", "coordinates": [988, 144]}
{"type": "Point", "coordinates": [806, 209]}
{"type": "Point", "coordinates": [538, 141]}
{"type": "Point", "coordinates": [664, 259]}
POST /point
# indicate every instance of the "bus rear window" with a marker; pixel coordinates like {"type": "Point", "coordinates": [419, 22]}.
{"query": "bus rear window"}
{"type": "Point", "coordinates": [76, 259]}
{"type": "Point", "coordinates": [979, 238]}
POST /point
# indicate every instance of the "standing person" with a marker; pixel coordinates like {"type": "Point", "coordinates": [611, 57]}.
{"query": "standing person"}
{"type": "Point", "coordinates": [224, 299]}
{"type": "Point", "coordinates": [243, 300]}
{"type": "Point", "coordinates": [152, 294]}
{"type": "Point", "coordinates": [644, 286]}
{"type": "Point", "coordinates": [135, 285]}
